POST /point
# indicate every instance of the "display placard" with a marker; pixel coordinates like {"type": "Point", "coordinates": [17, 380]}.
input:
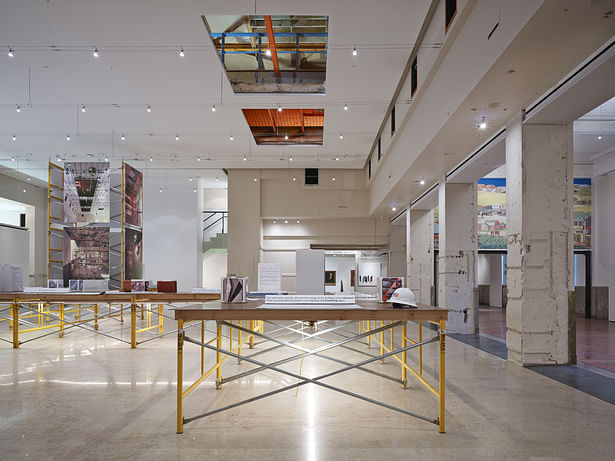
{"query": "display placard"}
{"type": "Point", "coordinates": [269, 277]}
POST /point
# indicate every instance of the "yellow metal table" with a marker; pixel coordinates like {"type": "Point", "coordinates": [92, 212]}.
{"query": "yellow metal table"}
{"type": "Point", "coordinates": [255, 314]}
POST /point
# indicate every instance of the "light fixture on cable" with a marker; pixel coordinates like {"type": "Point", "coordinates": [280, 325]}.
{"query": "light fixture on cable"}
{"type": "Point", "coordinates": [245, 159]}
{"type": "Point", "coordinates": [181, 52]}
{"type": "Point", "coordinates": [341, 136]}
{"type": "Point", "coordinates": [290, 159]}
{"type": "Point", "coordinates": [14, 138]}
{"type": "Point", "coordinates": [286, 137]}
{"type": "Point", "coordinates": [18, 109]}
{"type": "Point", "coordinates": [176, 138]}
{"type": "Point", "coordinates": [10, 53]}
{"type": "Point", "coordinates": [13, 158]}
{"type": "Point", "coordinates": [354, 51]}
{"type": "Point", "coordinates": [149, 108]}
{"type": "Point", "coordinates": [213, 108]}
{"type": "Point", "coordinates": [231, 137]}
{"type": "Point", "coordinates": [482, 125]}
{"type": "Point", "coordinates": [422, 182]}
{"type": "Point", "coordinates": [279, 108]}
{"type": "Point", "coordinates": [151, 159]}
{"type": "Point", "coordinates": [68, 137]}
{"type": "Point", "coordinates": [268, 52]}
{"type": "Point", "coordinates": [198, 158]}
{"type": "Point", "coordinates": [345, 106]}
{"type": "Point", "coordinates": [123, 137]}
{"type": "Point", "coordinates": [83, 108]}
{"type": "Point", "coordinates": [95, 52]}
{"type": "Point", "coordinates": [337, 157]}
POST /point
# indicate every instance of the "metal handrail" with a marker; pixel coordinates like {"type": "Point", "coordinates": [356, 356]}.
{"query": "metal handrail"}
{"type": "Point", "coordinates": [218, 217]}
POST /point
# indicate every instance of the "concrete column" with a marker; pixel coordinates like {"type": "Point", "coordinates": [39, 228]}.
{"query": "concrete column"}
{"type": "Point", "coordinates": [539, 169]}
{"type": "Point", "coordinates": [244, 224]}
{"type": "Point", "coordinates": [397, 251]}
{"type": "Point", "coordinates": [457, 256]}
{"type": "Point", "coordinates": [495, 280]}
{"type": "Point", "coordinates": [419, 253]}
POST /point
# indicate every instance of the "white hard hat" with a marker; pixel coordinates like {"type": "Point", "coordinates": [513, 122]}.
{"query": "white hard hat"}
{"type": "Point", "coordinates": [403, 297]}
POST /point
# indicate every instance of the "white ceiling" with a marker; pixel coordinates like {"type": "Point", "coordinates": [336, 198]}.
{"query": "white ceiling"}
{"type": "Point", "coordinates": [139, 65]}
{"type": "Point", "coordinates": [594, 133]}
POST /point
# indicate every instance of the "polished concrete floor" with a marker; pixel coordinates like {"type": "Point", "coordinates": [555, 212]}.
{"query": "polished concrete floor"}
{"type": "Point", "coordinates": [595, 338]}
{"type": "Point", "coordinates": [91, 397]}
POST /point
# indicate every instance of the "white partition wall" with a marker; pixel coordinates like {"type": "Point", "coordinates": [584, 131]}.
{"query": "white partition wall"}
{"type": "Point", "coordinates": [310, 272]}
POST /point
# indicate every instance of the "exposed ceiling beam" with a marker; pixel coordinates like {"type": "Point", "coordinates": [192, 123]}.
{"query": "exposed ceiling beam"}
{"type": "Point", "coordinates": [274, 52]}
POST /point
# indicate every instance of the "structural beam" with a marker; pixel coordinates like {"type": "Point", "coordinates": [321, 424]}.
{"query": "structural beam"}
{"type": "Point", "coordinates": [272, 48]}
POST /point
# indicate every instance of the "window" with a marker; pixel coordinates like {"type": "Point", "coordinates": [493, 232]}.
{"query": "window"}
{"type": "Point", "coordinates": [379, 149]}
{"type": "Point", "coordinates": [311, 176]}
{"type": "Point", "coordinates": [414, 78]}
{"type": "Point", "coordinates": [393, 121]}
{"type": "Point", "coordinates": [450, 10]}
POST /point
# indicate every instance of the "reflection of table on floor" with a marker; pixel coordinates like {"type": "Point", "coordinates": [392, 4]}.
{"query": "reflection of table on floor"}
{"type": "Point", "coordinates": [232, 316]}
{"type": "Point", "coordinates": [15, 300]}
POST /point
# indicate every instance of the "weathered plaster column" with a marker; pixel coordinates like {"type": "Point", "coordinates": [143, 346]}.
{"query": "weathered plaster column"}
{"type": "Point", "coordinates": [419, 253]}
{"type": "Point", "coordinates": [603, 245]}
{"type": "Point", "coordinates": [457, 256]}
{"type": "Point", "coordinates": [539, 169]}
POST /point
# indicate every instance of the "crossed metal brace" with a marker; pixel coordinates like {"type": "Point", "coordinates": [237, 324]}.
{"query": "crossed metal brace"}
{"type": "Point", "coordinates": [302, 380]}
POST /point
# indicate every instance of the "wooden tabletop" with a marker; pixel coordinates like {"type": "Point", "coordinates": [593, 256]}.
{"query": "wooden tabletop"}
{"type": "Point", "coordinates": [105, 298]}
{"type": "Point", "coordinates": [370, 310]}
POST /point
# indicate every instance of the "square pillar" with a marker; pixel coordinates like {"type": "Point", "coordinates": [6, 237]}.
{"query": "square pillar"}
{"type": "Point", "coordinates": [495, 280]}
{"type": "Point", "coordinates": [457, 256]}
{"type": "Point", "coordinates": [419, 253]}
{"type": "Point", "coordinates": [539, 169]}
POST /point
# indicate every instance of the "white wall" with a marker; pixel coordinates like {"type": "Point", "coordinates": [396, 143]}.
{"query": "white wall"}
{"type": "Point", "coordinates": [342, 265]}
{"type": "Point", "coordinates": [214, 269]}
{"type": "Point", "coordinates": [14, 248]}
{"type": "Point", "coordinates": [215, 199]}
{"type": "Point", "coordinates": [603, 223]}
{"type": "Point", "coordinates": [170, 237]}
{"type": "Point", "coordinates": [483, 271]}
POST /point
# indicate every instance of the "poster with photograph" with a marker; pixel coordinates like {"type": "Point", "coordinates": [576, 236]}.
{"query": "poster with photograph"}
{"type": "Point", "coordinates": [86, 192]}
{"type": "Point", "coordinates": [133, 198]}
{"type": "Point", "coordinates": [369, 271]}
{"type": "Point", "coordinates": [491, 212]}
{"type": "Point", "coordinates": [582, 209]}
{"type": "Point", "coordinates": [133, 254]}
{"type": "Point", "coordinates": [86, 253]}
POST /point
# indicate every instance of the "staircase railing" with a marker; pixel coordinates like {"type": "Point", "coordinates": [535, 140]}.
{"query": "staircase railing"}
{"type": "Point", "coordinates": [214, 222]}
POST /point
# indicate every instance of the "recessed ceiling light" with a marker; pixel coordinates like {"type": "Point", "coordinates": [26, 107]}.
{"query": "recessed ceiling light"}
{"type": "Point", "coordinates": [354, 51]}
{"type": "Point", "coordinates": [14, 138]}
{"type": "Point", "coordinates": [149, 108]}
{"type": "Point", "coordinates": [268, 52]}
{"type": "Point", "coordinates": [394, 208]}
{"type": "Point", "coordinates": [190, 179]}
{"type": "Point", "coordinates": [422, 182]}
{"type": "Point", "coordinates": [195, 190]}
{"type": "Point", "coordinates": [255, 179]}
{"type": "Point", "coordinates": [83, 108]}
{"type": "Point", "coordinates": [25, 191]}
{"type": "Point", "coordinates": [599, 137]}
{"type": "Point", "coordinates": [333, 178]}
{"type": "Point", "coordinates": [181, 52]}
{"type": "Point", "coordinates": [18, 109]}
{"type": "Point", "coordinates": [286, 221]}
{"type": "Point", "coordinates": [213, 108]}
{"type": "Point", "coordinates": [12, 158]}
{"type": "Point", "coordinates": [279, 108]}
{"type": "Point", "coordinates": [337, 158]}
{"type": "Point", "coordinates": [198, 158]}
{"type": "Point", "coordinates": [290, 159]}
{"type": "Point", "coordinates": [274, 221]}
{"type": "Point", "coordinates": [245, 159]}
{"type": "Point", "coordinates": [216, 179]}
{"type": "Point", "coordinates": [123, 137]}
{"type": "Point", "coordinates": [298, 221]}
{"type": "Point", "coordinates": [95, 53]}
{"type": "Point", "coordinates": [10, 53]}
{"type": "Point", "coordinates": [482, 125]}
{"type": "Point", "coordinates": [28, 178]}
{"type": "Point", "coordinates": [294, 178]}
{"type": "Point", "coordinates": [106, 159]}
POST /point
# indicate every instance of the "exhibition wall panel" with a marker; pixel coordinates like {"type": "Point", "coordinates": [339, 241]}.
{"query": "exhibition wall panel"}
{"type": "Point", "coordinates": [170, 246]}
{"type": "Point", "coordinates": [13, 189]}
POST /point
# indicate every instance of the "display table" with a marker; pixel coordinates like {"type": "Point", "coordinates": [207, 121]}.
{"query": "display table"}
{"type": "Point", "coordinates": [256, 314]}
{"type": "Point", "coordinates": [15, 300]}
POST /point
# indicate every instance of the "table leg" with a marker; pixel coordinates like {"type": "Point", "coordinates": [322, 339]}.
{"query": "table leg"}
{"type": "Point", "coordinates": [160, 318]}
{"type": "Point", "coordinates": [202, 348]}
{"type": "Point", "coordinates": [251, 336]}
{"type": "Point", "coordinates": [133, 324]}
{"type": "Point", "coordinates": [15, 324]}
{"type": "Point", "coordinates": [442, 373]}
{"type": "Point", "coordinates": [96, 316]}
{"type": "Point", "coordinates": [180, 376]}
{"type": "Point", "coordinates": [382, 341]}
{"type": "Point", "coordinates": [404, 357]}
{"type": "Point", "coordinates": [61, 320]}
{"type": "Point", "coordinates": [218, 354]}
{"type": "Point", "coordinates": [421, 348]}
{"type": "Point", "coordinates": [239, 341]}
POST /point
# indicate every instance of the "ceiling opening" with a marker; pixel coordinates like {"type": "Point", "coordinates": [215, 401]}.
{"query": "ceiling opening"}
{"type": "Point", "coordinates": [286, 127]}
{"type": "Point", "coordinates": [272, 54]}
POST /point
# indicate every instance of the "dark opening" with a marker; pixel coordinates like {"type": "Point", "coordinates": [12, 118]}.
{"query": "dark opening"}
{"type": "Point", "coordinates": [379, 149]}
{"type": "Point", "coordinates": [450, 10]}
{"type": "Point", "coordinates": [369, 169]}
{"type": "Point", "coordinates": [311, 176]}
{"type": "Point", "coordinates": [393, 121]}
{"type": "Point", "coordinates": [414, 79]}
{"type": "Point", "coordinates": [22, 220]}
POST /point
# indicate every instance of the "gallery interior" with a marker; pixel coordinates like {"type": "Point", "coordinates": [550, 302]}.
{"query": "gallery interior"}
{"type": "Point", "coordinates": [174, 158]}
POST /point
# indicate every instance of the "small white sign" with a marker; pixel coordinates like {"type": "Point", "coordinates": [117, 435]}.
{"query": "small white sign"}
{"type": "Point", "coordinates": [309, 299]}
{"type": "Point", "coordinates": [269, 277]}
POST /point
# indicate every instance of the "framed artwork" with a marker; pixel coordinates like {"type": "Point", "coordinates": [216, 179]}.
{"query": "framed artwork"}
{"type": "Point", "coordinates": [352, 276]}
{"type": "Point", "coordinates": [369, 271]}
{"type": "Point", "coordinates": [330, 278]}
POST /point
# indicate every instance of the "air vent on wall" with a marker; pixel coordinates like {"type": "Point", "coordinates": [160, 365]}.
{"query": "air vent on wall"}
{"type": "Point", "coordinates": [311, 176]}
